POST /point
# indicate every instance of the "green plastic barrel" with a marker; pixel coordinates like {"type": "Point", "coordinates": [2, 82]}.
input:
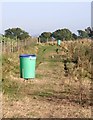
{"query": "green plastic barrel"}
{"type": "Point", "coordinates": [58, 42]}
{"type": "Point", "coordinates": [27, 66]}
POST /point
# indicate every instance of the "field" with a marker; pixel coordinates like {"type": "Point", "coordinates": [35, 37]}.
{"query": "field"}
{"type": "Point", "coordinates": [62, 87]}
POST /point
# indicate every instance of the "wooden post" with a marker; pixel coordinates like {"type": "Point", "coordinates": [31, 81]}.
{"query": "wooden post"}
{"type": "Point", "coordinates": [38, 41]}
{"type": "Point", "coordinates": [17, 45]}
{"type": "Point", "coordinates": [11, 45]}
{"type": "Point", "coordinates": [0, 47]}
{"type": "Point", "coordinates": [4, 46]}
{"type": "Point", "coordinates": [25, 42]}
{"type": "Point", "coordinates": [47, 40]}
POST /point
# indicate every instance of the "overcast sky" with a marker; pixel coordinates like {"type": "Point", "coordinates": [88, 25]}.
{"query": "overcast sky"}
{"type": "Point", "coordinates": [37, 17]}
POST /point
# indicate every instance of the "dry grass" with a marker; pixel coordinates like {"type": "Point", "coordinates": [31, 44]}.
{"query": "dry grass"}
{"type": "Point", "coordinates": [52, 93]}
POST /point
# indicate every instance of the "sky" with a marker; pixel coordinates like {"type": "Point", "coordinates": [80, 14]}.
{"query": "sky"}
{"type": "Point", "coordinates": [92, 14]}
{"type": "Point", "coordinates": [36, 17]}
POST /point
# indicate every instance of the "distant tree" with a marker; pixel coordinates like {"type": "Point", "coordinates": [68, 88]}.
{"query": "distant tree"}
{"type": "Point", "coordinates": [74, 36]}
{"type": "Point", "coordinates": [57, 34]}
{"type": "Point", "coordinates": [82, 34]}
{"type": "Point", "coordinates": [89, 31]}
{"type": "Point", "coordinates": [16, 33]}
{"type": "Point", "coordinates": [62, 34]}
{"type": "Point", "coordinates": [45, 36]}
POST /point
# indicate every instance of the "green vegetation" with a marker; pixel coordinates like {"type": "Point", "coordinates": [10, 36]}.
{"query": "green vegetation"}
{"type": "Point", "coordinates": [83, 34]}
{"type": "Point", "coordinates": [16, 33]}
{"type": "Point", "coordinates": [66, 34]}
{"type": "Point", "coordinates": [43, 54]}
{"type": "Point", "coordinates": [62, 34]}
{"type": "Point", "coordinates": [45, 37]}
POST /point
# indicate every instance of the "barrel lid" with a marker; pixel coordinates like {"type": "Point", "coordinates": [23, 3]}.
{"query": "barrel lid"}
{"type": "Point", "coordinates": [27, 55]}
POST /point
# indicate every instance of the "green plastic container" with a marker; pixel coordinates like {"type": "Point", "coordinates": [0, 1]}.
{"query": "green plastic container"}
{"type": "Point", "coordinates": [58, 42]}
{"type": "Point", "coordinates": [27, 66]}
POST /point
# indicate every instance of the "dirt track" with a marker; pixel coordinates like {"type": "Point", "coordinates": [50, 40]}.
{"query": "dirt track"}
{"type": "Point", "coordinates": [52, 95]}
